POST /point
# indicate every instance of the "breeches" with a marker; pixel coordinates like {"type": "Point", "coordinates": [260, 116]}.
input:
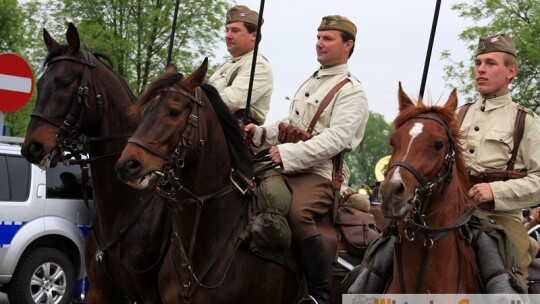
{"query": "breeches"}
{"type": "Point", "coordinates": [312, 196]}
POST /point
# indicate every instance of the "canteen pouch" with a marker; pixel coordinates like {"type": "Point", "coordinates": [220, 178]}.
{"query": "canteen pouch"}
{"type": "Point", "coordinates": [292, 134]}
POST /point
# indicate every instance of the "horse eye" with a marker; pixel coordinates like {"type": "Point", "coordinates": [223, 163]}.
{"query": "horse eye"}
{"type": "Point", "coordinates": [62, 83]}
{"type": "Point", "coordinates": [439, 145]}
{"type": "Point", "coordinates": [174, 113]}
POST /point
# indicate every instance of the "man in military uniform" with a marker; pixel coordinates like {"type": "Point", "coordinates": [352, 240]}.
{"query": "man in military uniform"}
{"type": "Point", "coordinates": [232, 78]}
{"type": "Point", "coordinates": [307, 166]}
{"type": "Point", "coordinates": [489, 126]}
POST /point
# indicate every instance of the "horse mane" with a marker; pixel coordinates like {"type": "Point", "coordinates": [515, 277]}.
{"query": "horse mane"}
{"type": "Point", "coordinates": [63, 49]}
{"type": "Point", "coordinates": [238, 151]}
{"type": "Point", "coordinates": [468, 265]}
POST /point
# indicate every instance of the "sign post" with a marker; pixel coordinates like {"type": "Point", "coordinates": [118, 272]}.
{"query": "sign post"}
{"type": "Point", "coordinates": [16, 82]}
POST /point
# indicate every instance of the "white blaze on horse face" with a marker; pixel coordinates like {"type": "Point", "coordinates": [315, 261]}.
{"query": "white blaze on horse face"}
{"type": "Point", "coordinates": [414, 132]}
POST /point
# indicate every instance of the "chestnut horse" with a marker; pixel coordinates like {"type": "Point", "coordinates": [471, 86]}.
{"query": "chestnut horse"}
{"type": "Point", "coordinates": [191, 146]}
{"type": "Point", "coordinates": [80, 95]}
{"type": "Point", "coordinates": [424, 193]}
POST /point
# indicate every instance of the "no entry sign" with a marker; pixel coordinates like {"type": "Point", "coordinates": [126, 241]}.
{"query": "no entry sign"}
{"type": "Point", "coordinates": [16, 82]}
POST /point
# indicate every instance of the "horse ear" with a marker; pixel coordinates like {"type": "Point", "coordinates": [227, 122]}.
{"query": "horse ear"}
{"type": "Point", "coordinates": [72, 37]}
{"type": "Point", "coordinates": [404, 100]}
{"type": "Point", "coordinates": [171, 68]}
{"type": "Point", "coordinates": [452, 101]}
{"type": "Point", "coordinates": [197, 77]}
{"type": "Point", "coordinates": [50, 43]}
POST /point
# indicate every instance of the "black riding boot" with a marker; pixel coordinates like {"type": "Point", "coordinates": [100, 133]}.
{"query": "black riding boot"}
{"type": "Point", "coordinates": [312, 257]}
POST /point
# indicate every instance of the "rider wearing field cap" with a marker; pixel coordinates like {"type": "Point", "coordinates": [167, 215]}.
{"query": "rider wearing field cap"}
{"type": "Point", "coordinates": [489, 125]}
{"type": "Point", "coordinates": [232, 78]}
{"type": "Point", "coordinates": [306, 162]}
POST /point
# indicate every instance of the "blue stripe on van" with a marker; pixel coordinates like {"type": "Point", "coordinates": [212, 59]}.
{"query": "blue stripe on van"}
{"type": "Point", "coordinates": [8, 230]}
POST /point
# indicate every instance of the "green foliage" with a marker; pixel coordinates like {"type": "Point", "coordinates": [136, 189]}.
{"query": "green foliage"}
{"type": "Point", "coordinates": [376, 144]}
{"type": "Point", "coordinates": [10, 20]}
{"type": "Point", "coordinates": [134, 34]}
{"type": "Point", "coordinates": [520, 19]}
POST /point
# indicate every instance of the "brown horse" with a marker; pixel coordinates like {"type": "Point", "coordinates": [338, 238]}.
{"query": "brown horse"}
{"type": "Point", "coordinates": [191, 146]}
{"type": "Point", "coordinates": [425, 194]}
{"type": "Point", "coordinates": [80, 95]}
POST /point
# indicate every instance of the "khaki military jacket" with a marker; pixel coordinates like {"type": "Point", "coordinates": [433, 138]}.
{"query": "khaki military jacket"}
{"type": "Point", "coordinates": [488, 127]}
{"type": "Point", "coordinates": [341, 125]}
{"type": "Point", "coordinates": [235, 95]}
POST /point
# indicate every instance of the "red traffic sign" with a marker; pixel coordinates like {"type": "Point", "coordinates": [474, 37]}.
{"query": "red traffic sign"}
{"type": "Point", "coordinates": [16, 82]}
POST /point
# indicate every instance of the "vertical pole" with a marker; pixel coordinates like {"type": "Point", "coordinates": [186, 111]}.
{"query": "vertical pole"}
{"type": "Point", "coordinates": [173, 31]}
{"type": "Point", "coordinates": [253, 63]}
{"type": "Point", "coordinates": [430, 47]}
{"type": "Point", "coordinates": [2, 126]}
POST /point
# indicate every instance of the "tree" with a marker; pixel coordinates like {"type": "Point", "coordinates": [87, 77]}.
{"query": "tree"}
{"type": "Point", "coordinates": [520, 19]}
{"type": "Point", "coordinates": [375, 144]}
{"type": "Point", "coordinates": [134, 34]}
{"type": "Point", "coordinates": [10, 20]}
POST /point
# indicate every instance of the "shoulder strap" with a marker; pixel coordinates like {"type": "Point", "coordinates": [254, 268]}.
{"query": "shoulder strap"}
{"type": "Point", "coordinates": [325, 103]}
{"type": "Point", "coordinates": [462, 112]}
{"type": "Point", "coordinates": [233, 76]}
{"type": "Point", "coordinates": [518, 135]}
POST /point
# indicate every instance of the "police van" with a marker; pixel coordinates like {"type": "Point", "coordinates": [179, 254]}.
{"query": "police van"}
{"type": "Point", "coordinates": [43, 225]}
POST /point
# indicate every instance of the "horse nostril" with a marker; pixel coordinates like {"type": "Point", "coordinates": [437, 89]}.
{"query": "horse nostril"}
{"type": "Point", "coordinates": [34, 152]}
{"type": "Point", "coordinates": [398, 192]}
{"type": "Point", "coordinates": [132, 166]}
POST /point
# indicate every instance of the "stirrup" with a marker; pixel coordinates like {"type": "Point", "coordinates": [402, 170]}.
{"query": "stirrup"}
{"type": "Point", "coordinates": [308, 300]}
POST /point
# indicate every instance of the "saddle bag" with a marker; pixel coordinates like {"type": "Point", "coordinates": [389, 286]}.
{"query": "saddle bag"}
{"type": "Point", "coordinates": [357, 229]}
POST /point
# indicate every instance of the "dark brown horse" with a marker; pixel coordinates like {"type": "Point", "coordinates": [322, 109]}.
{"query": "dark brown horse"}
{"type": "Point", "coordinates": [80, 95]}
{"type": "Point", "coordinates": [425, 193]}
{"type": "Point", "coordinates": [190, 144]}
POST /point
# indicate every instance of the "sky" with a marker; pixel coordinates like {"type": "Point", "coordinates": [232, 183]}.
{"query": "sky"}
{"type": "Point", "coordinates": [391, 46]}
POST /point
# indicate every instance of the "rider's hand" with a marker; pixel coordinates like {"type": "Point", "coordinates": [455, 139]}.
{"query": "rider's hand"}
{"type": "Point", "coordinates": [274, 155]}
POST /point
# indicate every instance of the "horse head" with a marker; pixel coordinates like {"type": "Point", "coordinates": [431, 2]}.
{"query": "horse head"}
{"type": "Point", "coordinates": [73, 95]}
{"type": "Point", "coordinates": [423, 155]}
{"type": "Point", "coordinates": [169, 121]}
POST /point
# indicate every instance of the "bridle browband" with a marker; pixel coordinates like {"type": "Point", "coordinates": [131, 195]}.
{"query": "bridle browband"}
{"type": "Point", "coordinates": [415, 220]}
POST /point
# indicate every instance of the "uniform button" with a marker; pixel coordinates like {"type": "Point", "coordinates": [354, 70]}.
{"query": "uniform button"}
{"type": "Point", "coordinates": [297, 113]}
{"type": "Point", "coordinates": [476, 128]}
{"type": "Point", "coordinates": [471, 151]}
{"type": "Point", "coordinates": [307, 94]}
{"type": "Point", "coordinates": [317, 101]}
{"type": "Point", "coordinates": [482, 108]}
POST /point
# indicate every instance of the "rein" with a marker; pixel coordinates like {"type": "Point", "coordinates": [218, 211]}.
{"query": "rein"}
{"type": "Point", "coordinates": [415, 220]}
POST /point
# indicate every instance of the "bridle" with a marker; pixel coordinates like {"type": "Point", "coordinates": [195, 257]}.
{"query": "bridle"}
{"type": "Point", "coordinates": [69, 132]}
{"type": "Point", "coordinates": [169, 185]}
{"type": "Point", "coordinates": [415, 219]}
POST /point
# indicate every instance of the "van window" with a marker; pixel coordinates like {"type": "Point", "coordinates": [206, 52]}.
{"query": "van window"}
{"type": "Point", "coordinates": [14, 178]}
{"type": "Point", "coordinates": [65, 182]}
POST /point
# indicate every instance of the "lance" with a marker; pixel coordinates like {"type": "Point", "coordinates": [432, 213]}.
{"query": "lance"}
{"type": "Point", "coordinates": [430, 47]}
{"type": "Point", "coordinates": [173, 30]}
{"type": "Point", "coordinates": [253, 63]}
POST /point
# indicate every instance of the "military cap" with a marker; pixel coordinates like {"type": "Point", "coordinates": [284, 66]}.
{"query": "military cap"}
{"type": "Point", "coordinates": [242, 13]}
{"type": "Point", "coordinates": [496, 43]}
{"type": "Point", "coordinates": [338, 23]}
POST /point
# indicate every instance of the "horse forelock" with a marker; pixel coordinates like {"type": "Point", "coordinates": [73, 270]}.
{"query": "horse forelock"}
{"type": "Point", "coordinates": [152, 89]}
